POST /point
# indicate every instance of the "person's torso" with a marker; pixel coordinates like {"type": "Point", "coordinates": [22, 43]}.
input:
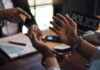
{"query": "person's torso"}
{"type": "Point", "coordinates": [9, 28]}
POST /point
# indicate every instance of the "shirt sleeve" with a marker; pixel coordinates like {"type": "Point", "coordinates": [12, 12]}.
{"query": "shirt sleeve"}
{"type": "Point", "coordinates": [23, 4]}
{"type": "Point", "coordinates": [96, 55]}
{"type": "Point", "coordinates": [95, 60]}
{"type": "Point", "coordinates": [95, 65]}
{"type": "Point", "coordinates": [53, 68]}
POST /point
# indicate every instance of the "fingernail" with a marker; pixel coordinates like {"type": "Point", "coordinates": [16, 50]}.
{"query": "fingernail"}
{"type": "Point", "coordinates": [67, 15]}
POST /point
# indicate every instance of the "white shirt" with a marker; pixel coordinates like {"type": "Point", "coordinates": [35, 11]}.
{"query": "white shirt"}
{"type": "Point", "coordinates": [9, 28]}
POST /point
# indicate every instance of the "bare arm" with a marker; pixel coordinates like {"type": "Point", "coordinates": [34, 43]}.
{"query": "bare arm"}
{"type": "Point", "coordinates": [14, 15]}
{"type": "Point", "coordinates": [47, 52]}
{"type": "Point", "coordinates": [66, 29]}
{"type": "Point", "coordinates": [86, 49]}
{"type": "Point", "coordinates": [51, 62]}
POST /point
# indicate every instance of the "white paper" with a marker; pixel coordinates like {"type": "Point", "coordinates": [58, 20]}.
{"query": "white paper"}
{"type": "Point", "coordinates": [62, 46]}
{"type": "Point", "coordinates": [13, 50]}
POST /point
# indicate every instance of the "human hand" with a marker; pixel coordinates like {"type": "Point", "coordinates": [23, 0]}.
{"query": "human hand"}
{"type": "Point", "coordinates": [35, 28]}
{"type": "Point", "coordinates": [65, 28]}
{"type": "Point", "coordinates": [37, 42]}
{"type": "Point", "coordinates": [14, 15]}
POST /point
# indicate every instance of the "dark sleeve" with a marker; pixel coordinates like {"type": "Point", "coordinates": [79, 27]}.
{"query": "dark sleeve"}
{"type": "Point", "coordinates": [96, 55]}
{"type": "Point", "coordinates": [25, 6]}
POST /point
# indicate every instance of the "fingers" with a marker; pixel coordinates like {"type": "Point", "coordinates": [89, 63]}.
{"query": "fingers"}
{"type": "Point", "coordinates": [57, 21]}
{"type": "Point", "coordinates": [37, 31]}
{"type": "Point", "coordinates": [71, 22]}
{"type": "Point", "coordinates": [20, 11]}
{"type": "Point", "coordinates": [59, 24]}
{"type": "Point", "coordinates": [54, 30]}
{"type": "Point", "coordinates": [39, 34]}
{"type": "Point", "coordinates": [34, 38]}
{"type": "Point", "coordinates": [62, 18]}
{"type": "Point", "coordinates": [23, 17]}
{"type": "Point", "coordinates": [29, 34]}
{"type": "Point", "coordinates": [55, 25]}
{"type": "Point", "coordinates": [15, 15]}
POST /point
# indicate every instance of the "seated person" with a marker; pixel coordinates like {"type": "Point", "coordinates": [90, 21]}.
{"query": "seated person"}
{"type": "Point", "coordinates": [14, 14]}
{"type": "Point", "coordinates": [66, 29]}
{"type": "Point", "coordinates": [10, 28]}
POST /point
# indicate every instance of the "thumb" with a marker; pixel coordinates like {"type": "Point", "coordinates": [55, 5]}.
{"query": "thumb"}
{"type": "Point", "coordinates": [23, 17]}
{"type": "Point", "coordinates": [21, 11]}
{"type": "Point", "coordinates": [34, 38]}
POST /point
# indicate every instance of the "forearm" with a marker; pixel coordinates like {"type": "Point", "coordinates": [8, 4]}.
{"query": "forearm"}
{"type": "Point", "coordinates": [86, 49]}
{"type": "Point", "coordinates": [51, 62]}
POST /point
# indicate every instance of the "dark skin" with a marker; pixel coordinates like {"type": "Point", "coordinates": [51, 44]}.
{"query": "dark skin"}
{"type": "Point", "coordinates": [17, 15]}
{"type": "Point", "coordinates": [42, 48]}
{"type": "Point", "coordinates": [14, 15]}
{"type": "Point", "coordinates": [66, 29]}
{"type": "Point", "coordinates": [37, 41]}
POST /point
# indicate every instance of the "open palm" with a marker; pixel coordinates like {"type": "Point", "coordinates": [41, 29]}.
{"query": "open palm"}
{"type": "Point", "coordinates": [65, 28]}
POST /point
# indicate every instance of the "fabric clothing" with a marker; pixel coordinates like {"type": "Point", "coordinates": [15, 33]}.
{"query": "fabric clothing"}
{"type": "Point", "coordinates": [9, 28]}
{"type": "Point", "coordinates": [23, 4]}
{"type": "Point", "coordinates": [1, 5]}
{"type": "Point", "coordinates": [95, 65]}
{"type": "Point", "coordinates": [96, 55]}
{"type": "Point", "coordinates": [95, 61]}
{"type": "Point", "coordinates": [7, 4]}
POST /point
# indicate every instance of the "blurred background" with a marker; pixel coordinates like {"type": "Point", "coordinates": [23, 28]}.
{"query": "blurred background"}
{"type": "Point", "coordinates": [43, 12]}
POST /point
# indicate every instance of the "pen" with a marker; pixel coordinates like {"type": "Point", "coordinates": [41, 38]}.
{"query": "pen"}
{"type": "Point", "coordinates": [17, 43]}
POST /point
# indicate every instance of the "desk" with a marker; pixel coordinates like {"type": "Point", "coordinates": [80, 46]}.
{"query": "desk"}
{"type": "Point", "coordinates": [33, 62]}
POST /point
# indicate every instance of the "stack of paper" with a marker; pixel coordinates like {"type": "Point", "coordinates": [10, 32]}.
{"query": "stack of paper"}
{"type": "Point", "coordinates": [13, 50]}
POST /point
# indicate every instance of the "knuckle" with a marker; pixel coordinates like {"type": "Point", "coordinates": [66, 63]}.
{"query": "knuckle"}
{"type": "Point", "coordinates": [17, 8]}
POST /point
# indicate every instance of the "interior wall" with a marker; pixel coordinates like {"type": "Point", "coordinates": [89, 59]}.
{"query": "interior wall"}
{"type": "Point", "coordinates": [88, 7]}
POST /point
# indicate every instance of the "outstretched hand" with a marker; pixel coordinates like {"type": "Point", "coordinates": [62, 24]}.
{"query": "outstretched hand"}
{"type": "Point", "coordinates": [14, 15]}
{"type": "Point", "coordinates": [65, 28]}
{"type": "Point", "coordinates": [37, 42]}
{"type": "Point", "coordinates": [33, 28]}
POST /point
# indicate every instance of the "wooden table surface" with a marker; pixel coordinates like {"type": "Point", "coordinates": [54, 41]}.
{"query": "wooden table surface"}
{"type": "Point", "coordinates": [33, 61]}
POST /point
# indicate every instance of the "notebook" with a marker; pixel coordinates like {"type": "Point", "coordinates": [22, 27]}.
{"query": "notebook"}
{"type": "Point", "coordinates": [85, 22]}
{"type": "Point", "coordinates": [12, 50]}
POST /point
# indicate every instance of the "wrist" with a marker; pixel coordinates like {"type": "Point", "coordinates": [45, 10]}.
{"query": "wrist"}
{"type": "Point", "coordinates": [51, 62]}
{"type": "Point", "coordinates": [46, 56]}
{"type": "Point", "coordinates": [73, 41]}
{"type": "Point", "coordinates": [77, 43]}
